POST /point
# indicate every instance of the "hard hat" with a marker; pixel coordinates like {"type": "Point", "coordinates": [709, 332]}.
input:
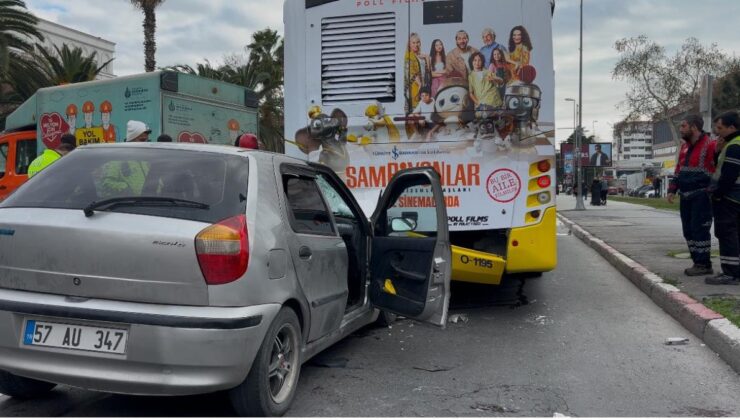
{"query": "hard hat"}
{"type": "Point", "coordinates": [88, 107]}
{"type": "Point", "coordinates": [249, 141]}
{"type": "Point", "coordinates": [71, 109]}
{"type": "Point", "coordinates": [106, 107]}
{"type": "Point", "coordinates": [233, 125]}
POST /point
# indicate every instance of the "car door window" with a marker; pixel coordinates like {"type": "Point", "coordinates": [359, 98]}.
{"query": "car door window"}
{"type": "Point", "coordinates": [3, 158]}
{"type": "Point", "coordinates": [308, 212]}
{"type": "Point", "coordinates": [25, 153]}
{"type": "Point", "coordinates": [337, 205]}
{"type": "Point", "coordinates": [413, 210]}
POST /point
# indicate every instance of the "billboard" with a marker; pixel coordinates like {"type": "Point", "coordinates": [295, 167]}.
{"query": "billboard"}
{"type": "Point", "coordinates": [595, 155]}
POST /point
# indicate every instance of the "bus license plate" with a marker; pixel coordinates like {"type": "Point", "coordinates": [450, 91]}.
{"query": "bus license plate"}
{"type": "Point", "coordinates": [75, 337]}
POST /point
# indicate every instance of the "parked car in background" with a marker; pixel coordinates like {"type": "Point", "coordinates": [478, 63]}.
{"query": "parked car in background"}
{"type": "Point", "coordinates": [647, 193]}
{"type": "Point", "coordinates": [640, 190]}
{"type": "Point", "coordinates": [178, 269]}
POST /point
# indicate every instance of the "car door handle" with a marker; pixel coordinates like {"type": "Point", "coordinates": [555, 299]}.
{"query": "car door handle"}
{"type": "Point", "coordinates": [304, 253]}
{"type": "Point", "coordinates": [408, 274]}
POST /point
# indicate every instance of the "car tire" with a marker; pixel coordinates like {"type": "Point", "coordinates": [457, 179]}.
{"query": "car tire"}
{"type": "Point", "coordinates": [23, 388]}
{"type": "Point", "coordinates": [386, 319]}
{"type": "Point", "coordinates": [271, 384]}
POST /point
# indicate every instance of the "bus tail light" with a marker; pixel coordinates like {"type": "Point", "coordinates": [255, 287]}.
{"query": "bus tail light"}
{"type": "Point", "coordinates": [543, 197]}
{"type": "Point", "coordinates": [544, 166]}
{"type": "Point", "coordinates": [544, 182]}
{"type": "Point", "coordinates": [223, 250]}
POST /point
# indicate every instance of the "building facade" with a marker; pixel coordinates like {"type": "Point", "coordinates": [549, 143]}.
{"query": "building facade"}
{"type": "Point", "coordinates": [57, 35]}
{"type": "Point", "coordinates": [633, 142]}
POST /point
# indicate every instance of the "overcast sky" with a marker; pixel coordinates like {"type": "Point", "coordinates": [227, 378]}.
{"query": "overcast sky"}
{"type": "Point", "coordinates": [189, 31]}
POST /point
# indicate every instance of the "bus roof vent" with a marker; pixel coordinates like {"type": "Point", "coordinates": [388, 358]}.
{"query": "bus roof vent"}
{"type": "Point", "coordinates": [358, 62]}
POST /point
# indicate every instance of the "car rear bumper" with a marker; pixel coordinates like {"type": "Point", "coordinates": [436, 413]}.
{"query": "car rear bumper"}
{"type": "Point", "coordinates": [171, 350]}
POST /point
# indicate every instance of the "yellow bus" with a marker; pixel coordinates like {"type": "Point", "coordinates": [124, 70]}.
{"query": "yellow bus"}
{"type": "Point", "coordinates": [464, 86]}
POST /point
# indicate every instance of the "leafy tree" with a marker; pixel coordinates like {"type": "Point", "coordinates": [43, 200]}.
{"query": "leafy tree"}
{"type": "Point", "coordinates": [150, 26]}
{"type": "Point", "coordinates": [584, 138]}
{"type": "Point", "coordinates": [662, 85]}
{"type": "Point", "coordinates": [726, 95]}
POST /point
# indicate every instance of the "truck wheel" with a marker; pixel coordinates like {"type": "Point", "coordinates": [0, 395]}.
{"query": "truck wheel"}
{"type": "Point", "coordinates": [270, 386]}
{"type": "Point", "coordinates": [23, 388]}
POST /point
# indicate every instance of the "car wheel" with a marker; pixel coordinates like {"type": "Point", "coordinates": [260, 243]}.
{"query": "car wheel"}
{"type": "Point", "coordinates": [23, 388]}
{"type": "Point", "coordinates": [386, 319]}
{"type": "Point", "coordinates": [270, 385]}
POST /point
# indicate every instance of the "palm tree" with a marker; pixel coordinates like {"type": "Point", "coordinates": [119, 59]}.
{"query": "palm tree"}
{"type": "Point", "coordinates": [28, 73]}
{"type": "Point", "coordinates": [262, 72]}
{"type": "Point", "coordinates": [266, 54]}
{"type": "Point", "coordinates": [67, 65]}
{"type": "Point", "coordinates": [17, 30]}
{"type": "Point", "coordinates": [150, 26]}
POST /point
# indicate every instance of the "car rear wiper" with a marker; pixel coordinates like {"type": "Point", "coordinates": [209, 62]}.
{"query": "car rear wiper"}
{"type": "Point", "coordinates": [143, 202]}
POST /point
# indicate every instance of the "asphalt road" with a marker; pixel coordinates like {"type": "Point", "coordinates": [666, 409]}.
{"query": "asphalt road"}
{"type": "Point", "coordinates": [586, 343]}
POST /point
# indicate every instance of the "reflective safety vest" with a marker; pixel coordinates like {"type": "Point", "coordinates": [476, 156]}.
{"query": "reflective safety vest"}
{"type": "Point", "coordinates": [47, 158]}
{"type": "Point", "coordinates": [124, 178]}
{"type": "Point", "coordinates": [734, 194]}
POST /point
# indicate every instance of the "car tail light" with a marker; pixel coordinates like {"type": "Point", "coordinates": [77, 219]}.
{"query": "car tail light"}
{"type": "Point", "coordinates": [544, 166]}
{"type": "Point", "coordinates": [223, 250]}
{"type": "Point", "coordinates": [544, 182]}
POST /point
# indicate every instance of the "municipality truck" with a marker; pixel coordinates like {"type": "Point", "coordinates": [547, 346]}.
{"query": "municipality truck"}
{"type": "Point", "coordinates": [189, 108]}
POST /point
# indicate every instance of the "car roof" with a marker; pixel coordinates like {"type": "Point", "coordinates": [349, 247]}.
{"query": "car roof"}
{"type": "Point", "coordinates": [259, 155]}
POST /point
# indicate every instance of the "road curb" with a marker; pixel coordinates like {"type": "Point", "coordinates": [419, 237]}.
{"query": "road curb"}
{"type": "Point", "coordinates": [716, 331]}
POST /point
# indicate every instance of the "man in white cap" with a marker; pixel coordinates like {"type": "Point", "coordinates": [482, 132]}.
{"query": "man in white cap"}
{"type": "Point", "coordinates": [137, 131]}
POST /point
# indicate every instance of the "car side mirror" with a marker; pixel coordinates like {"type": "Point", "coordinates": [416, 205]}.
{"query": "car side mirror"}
{"type": "Point", "coordinates": [401, 224]}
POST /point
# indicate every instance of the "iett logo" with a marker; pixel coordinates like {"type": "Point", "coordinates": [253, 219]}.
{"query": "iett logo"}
{"type": "Point", "coordinates": [394, 153]}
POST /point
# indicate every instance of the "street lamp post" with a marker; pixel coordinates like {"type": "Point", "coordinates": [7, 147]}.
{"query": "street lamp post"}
{"type": "Point", "coordinates": [579, 201]}
{"type": "Point", "coordinates": [576, 152]}
{"type": "Point", "coordinates": [593, 127]}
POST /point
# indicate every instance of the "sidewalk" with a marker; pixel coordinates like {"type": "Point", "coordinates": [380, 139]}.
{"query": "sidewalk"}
{"type": "Point", "coordinates": [648, 247]}
{"type": "Point", "coordinates": [650, 237]}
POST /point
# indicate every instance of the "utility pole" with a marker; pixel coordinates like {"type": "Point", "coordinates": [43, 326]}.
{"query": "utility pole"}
{"type": "Point", "coordinates": [579, 200]}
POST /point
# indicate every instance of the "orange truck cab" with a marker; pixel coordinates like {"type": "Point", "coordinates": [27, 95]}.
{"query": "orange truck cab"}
{"type": "Point", "coordinates": [17, 151]}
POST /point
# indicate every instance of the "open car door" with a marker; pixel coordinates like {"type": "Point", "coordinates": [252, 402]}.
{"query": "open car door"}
{"type": "Point", "coordinates": [410, 262]}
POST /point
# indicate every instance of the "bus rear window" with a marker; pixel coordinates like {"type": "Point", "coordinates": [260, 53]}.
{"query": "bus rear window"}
{"type": "Point", "coordinates": [447, 11]}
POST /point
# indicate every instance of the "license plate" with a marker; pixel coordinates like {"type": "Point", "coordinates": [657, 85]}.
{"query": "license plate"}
{"type": "Point", "coordinates": [75, 337]}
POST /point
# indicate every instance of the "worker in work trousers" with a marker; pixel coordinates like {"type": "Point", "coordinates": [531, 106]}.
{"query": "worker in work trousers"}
{"type": "Point", "coordinates": [726, 199]}
{"type": "Point", "coordinates": [693, 176]}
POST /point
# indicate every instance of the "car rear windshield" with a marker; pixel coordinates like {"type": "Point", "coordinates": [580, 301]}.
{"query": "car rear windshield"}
{"type": "Point", "coordinates": [91, 175]}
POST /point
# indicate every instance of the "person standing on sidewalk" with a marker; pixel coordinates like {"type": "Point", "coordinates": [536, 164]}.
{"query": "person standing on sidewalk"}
{"type": "Point", "coordinates": [725, 191]}
{"type": "Point", "coordinates": [692, 178]}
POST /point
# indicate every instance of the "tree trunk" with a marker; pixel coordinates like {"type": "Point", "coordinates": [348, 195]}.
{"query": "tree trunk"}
{"type": "Point", "coordinates": [150, 45]}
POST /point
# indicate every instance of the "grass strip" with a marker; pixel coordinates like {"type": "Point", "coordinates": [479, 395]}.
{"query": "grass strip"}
{"type": "Point", "coordinates": [656, 203]}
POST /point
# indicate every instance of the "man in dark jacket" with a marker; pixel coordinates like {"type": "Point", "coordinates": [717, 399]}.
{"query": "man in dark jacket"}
{"type": "Point", "coordinates": [694, 171]}
{"type": "Point", "coordinates": [726, 199]}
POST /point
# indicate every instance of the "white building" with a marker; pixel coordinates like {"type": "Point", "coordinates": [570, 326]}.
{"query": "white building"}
{"type": "Point", "coordinates": [634, 142]}
{"type": "Point", "coordinates": [56, 35]}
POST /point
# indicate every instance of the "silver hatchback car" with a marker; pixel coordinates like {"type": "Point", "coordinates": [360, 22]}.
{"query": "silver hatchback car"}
{"type": "Point", "coordinates": [174, 269]}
